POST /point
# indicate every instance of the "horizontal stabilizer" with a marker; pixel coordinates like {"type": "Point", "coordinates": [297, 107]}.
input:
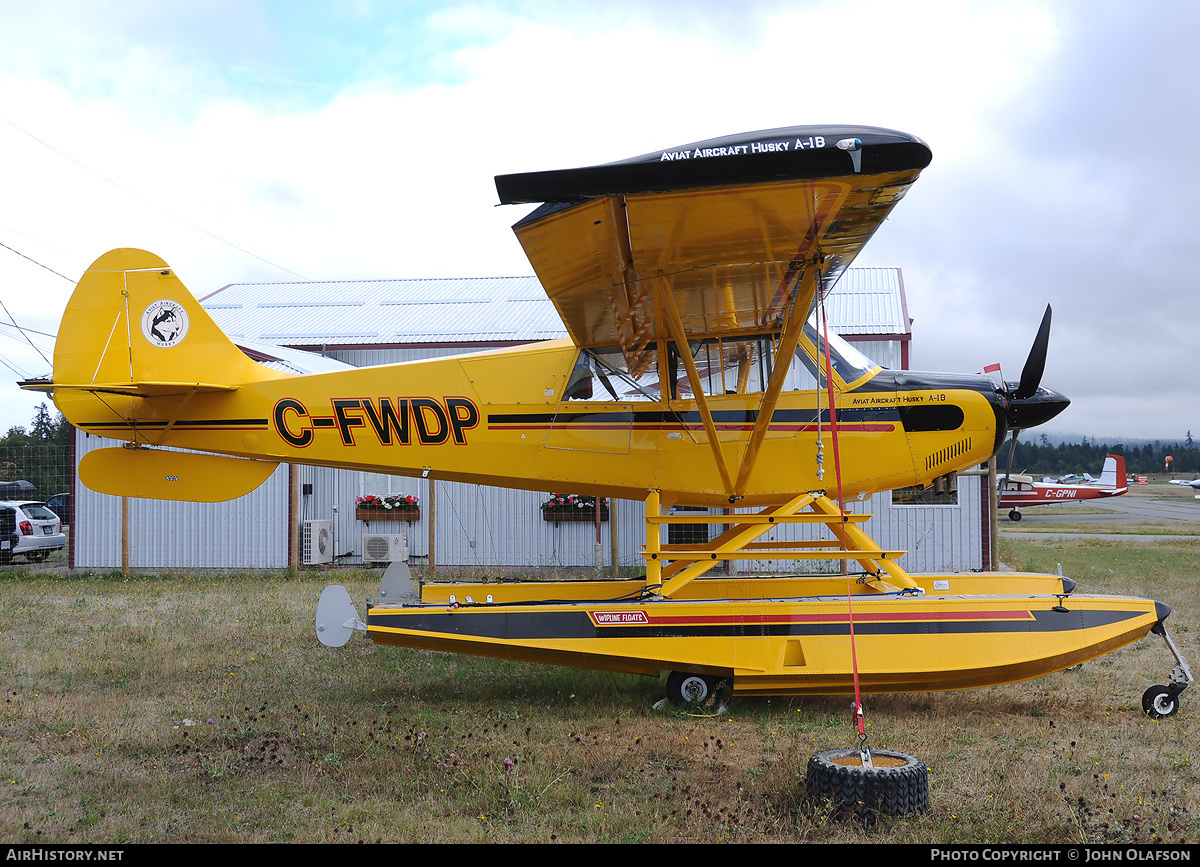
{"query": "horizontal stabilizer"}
{"type": "Point", "coordinates": [161, 475]}
{"type": "Point", "coordinates": [144, 389]}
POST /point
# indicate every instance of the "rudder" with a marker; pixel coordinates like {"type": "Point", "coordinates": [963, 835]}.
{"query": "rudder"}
{"type": "Point", "coordinates": [1113, 475]}
{"type": "Point", "coordinates": [131, 321]}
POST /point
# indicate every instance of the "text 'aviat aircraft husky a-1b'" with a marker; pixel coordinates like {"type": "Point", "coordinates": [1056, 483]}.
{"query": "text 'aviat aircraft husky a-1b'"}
{"type": "Point", "coordinates": [698, 372]}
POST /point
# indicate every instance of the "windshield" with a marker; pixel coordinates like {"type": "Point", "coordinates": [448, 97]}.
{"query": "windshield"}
{"type": "Point", "coordinates": [848, 362]}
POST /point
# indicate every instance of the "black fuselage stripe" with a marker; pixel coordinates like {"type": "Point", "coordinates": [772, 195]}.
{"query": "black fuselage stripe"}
{"type": "Point", "coordinates": [782, 416]}
{"type": "Point", "coordinates": [207, 422]}
{"type": "Point", "coordinates": [526, 626]}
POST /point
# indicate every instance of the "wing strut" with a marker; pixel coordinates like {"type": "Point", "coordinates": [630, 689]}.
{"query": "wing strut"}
{"type": "Point", "coordinates": [178, 410]}
{"type": "Point", "coordinates": [676, 325]}
{"type": "Point", "coordinates": [785, 353]}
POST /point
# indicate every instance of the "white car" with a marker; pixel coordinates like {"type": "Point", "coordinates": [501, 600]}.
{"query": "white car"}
{"type": "Point", "coordinates": [39, 530]}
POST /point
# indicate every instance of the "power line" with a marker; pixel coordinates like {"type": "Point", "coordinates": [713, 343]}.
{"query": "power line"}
{"type": "Point", "coordinates": [147, 202]}
{"type": "Point", "coordinates": [29, 331]}
{"type": "Point", "coordinates": [26, 336]}
{"type": "Point", "coordinates": [22, 331]}
{"type": "Point", "coordinates": [36, 262]}
{"type": "Point", "coordinates": [11, 366]}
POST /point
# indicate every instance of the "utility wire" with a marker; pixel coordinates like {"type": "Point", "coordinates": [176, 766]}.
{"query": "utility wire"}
{"type": "Point", "coordinates": [26, 336]}
{"type": "Point", "coordinates": [13, 368]}
{"type": "Point", "coordinates": [148, 202]}
{"type": "Point", "coordinates": [36, 262]}
{"type": "Point", "coordinates": [14, 321]}
{"type": "Point", "coordinates": [28, 330]}
{"type": "Point", "coordinates": [6, 335]}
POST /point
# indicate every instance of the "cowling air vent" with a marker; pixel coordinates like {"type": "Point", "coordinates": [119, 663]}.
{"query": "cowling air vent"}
{"type": "Point", "coordinates": [948, 454]}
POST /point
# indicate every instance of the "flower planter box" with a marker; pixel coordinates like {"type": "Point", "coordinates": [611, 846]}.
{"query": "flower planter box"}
{"type": "Point", "coordinates": [408, 515]}
{"type": "Point", "coordinates": [574, 516]}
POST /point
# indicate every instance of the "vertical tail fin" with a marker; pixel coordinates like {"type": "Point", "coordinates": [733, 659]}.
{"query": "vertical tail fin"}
{"type": "Point", "coordinates": [134, 348]}
{"type": "Point", "coordinates": [1113, 475]}
{"type": "Point", "coordinates": [131, 326]}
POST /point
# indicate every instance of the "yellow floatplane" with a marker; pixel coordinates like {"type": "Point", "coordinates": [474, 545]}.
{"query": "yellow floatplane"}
{"type": "Point", "coordinates": [698, 372]}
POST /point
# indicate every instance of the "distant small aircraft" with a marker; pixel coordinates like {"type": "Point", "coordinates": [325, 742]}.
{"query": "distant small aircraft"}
{"type": "Point", "coordinates": [1194, 483]}
{"type": "Point", "coordinates": [1017, 491]}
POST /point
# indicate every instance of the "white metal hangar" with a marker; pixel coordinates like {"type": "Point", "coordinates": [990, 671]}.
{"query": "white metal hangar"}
{"type": "Point", "coordinates": [306, 515]}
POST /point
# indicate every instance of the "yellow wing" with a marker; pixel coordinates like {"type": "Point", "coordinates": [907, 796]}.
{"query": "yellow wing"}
{"type": "Point", "coordinates": [728, 226]}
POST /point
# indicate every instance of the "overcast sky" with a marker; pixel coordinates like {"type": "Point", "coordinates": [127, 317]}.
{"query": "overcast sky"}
{"type": "Point", "coordinates": [260, 141]}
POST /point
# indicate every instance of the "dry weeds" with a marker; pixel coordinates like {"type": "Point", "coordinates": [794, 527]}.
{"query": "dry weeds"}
{"type": "Point", "coordinates": [180, 708]}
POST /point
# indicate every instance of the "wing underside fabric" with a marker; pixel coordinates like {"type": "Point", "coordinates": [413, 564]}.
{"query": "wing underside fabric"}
{"type": "Point", "coordinates": [731, 246]}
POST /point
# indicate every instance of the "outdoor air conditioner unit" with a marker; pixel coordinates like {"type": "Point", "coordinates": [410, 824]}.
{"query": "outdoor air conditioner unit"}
{"type": "Point", "coordinates": [384, 547]}
{"type": "Point", "coordinates": [316, 542]}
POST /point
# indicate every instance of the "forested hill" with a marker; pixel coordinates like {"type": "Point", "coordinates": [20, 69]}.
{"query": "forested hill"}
{"type": "Point", "coordinates": [1037, 456]}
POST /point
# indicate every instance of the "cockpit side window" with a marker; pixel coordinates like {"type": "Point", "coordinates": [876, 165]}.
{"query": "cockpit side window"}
{"type": "Point", "coordinates": [736, 365]}
{"type": "Point", "coordinates": [579, 386]}
{"type": "Point", "coordinates": [607, 375]}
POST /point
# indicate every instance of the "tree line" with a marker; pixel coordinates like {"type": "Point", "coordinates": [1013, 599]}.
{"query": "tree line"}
{"type": "Point", "coordinates": [1037, 456]}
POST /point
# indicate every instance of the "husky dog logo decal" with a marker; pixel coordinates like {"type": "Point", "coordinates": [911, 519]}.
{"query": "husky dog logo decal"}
{"type": "Point", "coordinates": [165, 323]}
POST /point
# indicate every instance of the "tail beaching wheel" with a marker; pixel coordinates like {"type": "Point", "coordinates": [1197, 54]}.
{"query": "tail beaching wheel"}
{"type": "Point", "coordinates": [1160, 702]}
{"type": "Point", "coordinates": [896, 785]}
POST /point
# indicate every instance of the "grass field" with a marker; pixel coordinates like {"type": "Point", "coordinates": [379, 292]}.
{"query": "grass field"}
{"type": "Point", "coordinates": [193, 708]}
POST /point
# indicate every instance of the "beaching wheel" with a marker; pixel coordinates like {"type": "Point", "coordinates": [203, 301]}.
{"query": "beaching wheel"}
{"type": "Point", "coordinates": [1160, 702]}
{"type": "Point", "coordinates": [896, 785]}
{"type": "Point", "coordinates": [685, 688]}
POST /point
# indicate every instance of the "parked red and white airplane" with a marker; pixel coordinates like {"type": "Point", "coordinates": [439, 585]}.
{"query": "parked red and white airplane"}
{"type": "Point", "coordinates": [1018, 492]}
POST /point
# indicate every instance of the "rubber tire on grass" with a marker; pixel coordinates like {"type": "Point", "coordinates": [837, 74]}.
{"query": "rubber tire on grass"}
{"type": "Point", "coordinates": [1160, 702]}
{"type": "Point", "coordinates": [897, 786]}
{"type": "Point", "coordinates": [699, 690]}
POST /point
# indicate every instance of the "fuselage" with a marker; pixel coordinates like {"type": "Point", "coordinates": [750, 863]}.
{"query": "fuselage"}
{"type": "Point", "coordinates": [503, 418]}
{"type": "Point", "coordinates": [1019, 493]}
{"type": "Point", "coordinates": [1016, 492]}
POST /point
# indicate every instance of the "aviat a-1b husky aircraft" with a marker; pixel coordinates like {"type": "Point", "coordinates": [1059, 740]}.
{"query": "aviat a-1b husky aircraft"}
{"type": "Point", "coordinates": [698, 372]}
